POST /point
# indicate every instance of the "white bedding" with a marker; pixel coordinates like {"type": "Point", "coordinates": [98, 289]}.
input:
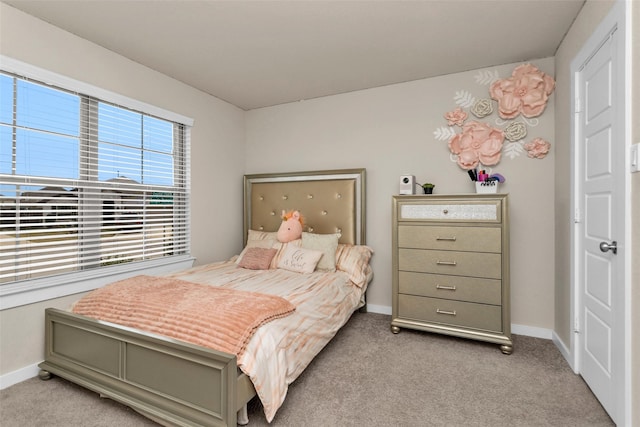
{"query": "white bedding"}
{"type": "Point", "coordinates": [280, 350]}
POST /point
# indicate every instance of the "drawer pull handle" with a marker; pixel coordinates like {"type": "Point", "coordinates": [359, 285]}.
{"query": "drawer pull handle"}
{"type": "Point", "coordinates": [447, 239]}
{"type": "Point", "coordinates": [446, 262]}
{"type": "Point", "coordinates": [450, 313]}
{"type": "Point", "coordinates": [446, 288]}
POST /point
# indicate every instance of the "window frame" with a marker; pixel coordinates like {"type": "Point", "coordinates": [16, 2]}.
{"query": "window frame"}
{"type": "Point", "coordinates": [44, 288]}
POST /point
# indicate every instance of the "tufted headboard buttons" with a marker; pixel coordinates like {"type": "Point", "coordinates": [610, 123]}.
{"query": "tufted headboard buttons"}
{"type": "Point", "coordinates": [329, 201]}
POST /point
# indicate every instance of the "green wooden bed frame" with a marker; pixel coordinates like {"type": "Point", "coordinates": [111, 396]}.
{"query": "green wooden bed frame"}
{"type": "Point", "coordinates": [176, 383]}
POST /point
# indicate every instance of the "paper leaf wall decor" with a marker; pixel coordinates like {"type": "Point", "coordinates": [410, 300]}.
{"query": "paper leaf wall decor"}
{"type": "Point", "coordinates": [444, 133]}
{"type": "Point", "coordinates": [464, 99]}
{"type": "Point", "coordinates": [513, 150]}
{"type": "Point", "coordinates": [486, 77]}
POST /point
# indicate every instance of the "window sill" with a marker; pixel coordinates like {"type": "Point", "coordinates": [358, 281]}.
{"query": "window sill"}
{"type": "Point", "coordinates": [46, 288]}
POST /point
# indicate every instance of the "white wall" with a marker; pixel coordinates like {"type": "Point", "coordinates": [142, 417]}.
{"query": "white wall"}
{"type": "Point", "coordinates": [217, 154]}
{"type": "Point", "coordinates": [390, 132]}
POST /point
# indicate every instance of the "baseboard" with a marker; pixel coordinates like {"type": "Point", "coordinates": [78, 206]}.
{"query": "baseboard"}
{"type": "Point", "coordinates": [379, 309]}
{"type": "Point", "coordinates": [564, 350]}
{"type": "Point", "coordinates": [531, 331]}
{"type": "Point", "coordinates": [15, 377]}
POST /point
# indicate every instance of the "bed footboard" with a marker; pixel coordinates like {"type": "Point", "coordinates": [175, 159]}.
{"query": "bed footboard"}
{"type": "Point", "coordinates": [168, 380]}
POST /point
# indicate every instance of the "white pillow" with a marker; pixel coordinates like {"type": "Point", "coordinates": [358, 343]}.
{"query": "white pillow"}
{"type": "Point", "coordinates": [261, 235]}
{"type": "Point", "coordinates": [299, 260]}
{"type": "Point", "coordinates": [281, 247]}
{"type": "Point", "coordinates": [325, 243]}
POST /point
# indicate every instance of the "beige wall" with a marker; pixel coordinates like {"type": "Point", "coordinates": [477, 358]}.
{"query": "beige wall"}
{"type": "Point", "coordinates": [390, 132]}
{"type": "Point", "coordinates": [591, 15]}
{"type": "Point", "coordinates": [217, 153]}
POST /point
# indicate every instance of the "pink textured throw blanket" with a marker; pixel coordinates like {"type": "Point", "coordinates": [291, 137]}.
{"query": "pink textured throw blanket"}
{"type": "Point", "coordinates": [218, 318]}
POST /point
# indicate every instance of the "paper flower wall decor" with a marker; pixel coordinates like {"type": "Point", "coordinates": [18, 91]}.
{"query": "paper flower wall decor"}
{"type": "Point", "coordinates": [524, 95]}
{"type": "Point", "coordinates": [482, 108]}
{"type": "Point", "coordinates": [478, 143]}
{"type": "Point", "coordinates": [515, 131]}
{"type": "Point", "coordinates": [526, 92]}
{"type": "Point", "coordinates": [537, 149]}
{"type": "Point", "coordinates": [456, 117]}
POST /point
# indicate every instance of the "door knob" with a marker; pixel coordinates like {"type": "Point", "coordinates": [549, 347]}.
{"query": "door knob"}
{"type": "Point", "coordinates": [613, 247]}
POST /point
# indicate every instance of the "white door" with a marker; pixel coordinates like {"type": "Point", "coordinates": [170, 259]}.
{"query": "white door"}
{"type": "Point", "coordinates": [600, 154]}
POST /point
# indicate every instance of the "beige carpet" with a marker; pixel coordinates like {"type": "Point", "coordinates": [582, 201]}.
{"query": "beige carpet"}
{"type": "Point", "coordinates": [368, 376]}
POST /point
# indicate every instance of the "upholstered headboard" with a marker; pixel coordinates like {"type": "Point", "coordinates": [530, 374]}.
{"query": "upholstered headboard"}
{"type": "Point", "coordinates": [329, 201]}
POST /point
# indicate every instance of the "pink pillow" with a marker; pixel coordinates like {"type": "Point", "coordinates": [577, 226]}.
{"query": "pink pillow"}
{"type": "Point", "coordinates": [257, 258]}
{"type": "Point", "coordinates": [255, 244]}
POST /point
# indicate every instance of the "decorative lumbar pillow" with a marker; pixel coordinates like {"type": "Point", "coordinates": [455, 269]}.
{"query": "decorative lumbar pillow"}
{"type": "Point", "coordinates": [267, 243]}
{"type": "Point", "coordinates": [325, 243]}
{"type": "Point", "coordinates": [282, 247]}
{"type": "Point", "coordinates": [299, 259]}
{"type": "Point", "coordinates": [291, 227]}
{"type": "Point", "coordinates": [257, 258]}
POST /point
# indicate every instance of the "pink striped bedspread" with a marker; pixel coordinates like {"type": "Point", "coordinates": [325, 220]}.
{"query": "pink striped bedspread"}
{"type": "Point", "coordinates": [218, 318]}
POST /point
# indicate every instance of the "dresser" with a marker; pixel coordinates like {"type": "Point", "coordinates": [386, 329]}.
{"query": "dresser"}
{"type": "Point", "coordinates": [451, 266]}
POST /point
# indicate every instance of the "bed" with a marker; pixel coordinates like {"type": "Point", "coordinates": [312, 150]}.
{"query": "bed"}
{"type": "Point", "coordinates": [178, 383]}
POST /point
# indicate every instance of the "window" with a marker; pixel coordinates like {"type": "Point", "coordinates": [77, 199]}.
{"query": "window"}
{"type": "Point", "coordinates": [86, 184]}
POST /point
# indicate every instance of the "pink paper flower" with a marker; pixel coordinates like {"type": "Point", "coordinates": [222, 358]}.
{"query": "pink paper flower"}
{"type": "Point", "coordinates": [477, 143]}
{"type": "Point", "coordinates": [456, 117]}
{"type": "Point", "coordinates": [526, 92]}
{"type": "Point", "coordinates": [538, 148]}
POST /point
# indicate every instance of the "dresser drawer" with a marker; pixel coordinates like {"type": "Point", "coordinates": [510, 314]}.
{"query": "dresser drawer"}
{"type": "Point", "coordinates": [447, 312]}
{"type": "Point", "coordinates": [473, 239]}
{"type": "Point", "coordinates": [470, 289]}
{"type": "Point", "coordinates": [474, 264]}
{"type": "Point", "coordinates": [482, 211]}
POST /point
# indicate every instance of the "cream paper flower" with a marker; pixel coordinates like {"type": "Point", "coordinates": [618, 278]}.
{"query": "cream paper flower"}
{"type": "Point", "coordinates": [482, 108]}
{"type": "Point", "coordinates": [515, 131]}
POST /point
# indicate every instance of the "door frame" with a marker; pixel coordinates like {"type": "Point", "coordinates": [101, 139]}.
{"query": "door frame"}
{"type": "Point", "coordinates": [617, 19]}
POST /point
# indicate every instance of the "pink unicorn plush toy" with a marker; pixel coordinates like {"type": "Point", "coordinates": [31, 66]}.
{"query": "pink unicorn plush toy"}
{"type": "Point", "coordinates": [291, 227]}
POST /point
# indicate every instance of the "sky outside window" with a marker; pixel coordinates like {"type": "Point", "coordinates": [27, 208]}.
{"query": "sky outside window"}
{"type": "Point", "coordinates": [48, 130]}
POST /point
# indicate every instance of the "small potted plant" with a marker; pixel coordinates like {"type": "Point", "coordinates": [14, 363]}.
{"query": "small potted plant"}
{"type": "Point", "coordinates": [428, 188]}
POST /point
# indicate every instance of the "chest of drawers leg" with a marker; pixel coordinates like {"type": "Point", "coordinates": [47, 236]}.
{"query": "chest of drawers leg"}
{"type": "Point", "coordinates": [451, 266]}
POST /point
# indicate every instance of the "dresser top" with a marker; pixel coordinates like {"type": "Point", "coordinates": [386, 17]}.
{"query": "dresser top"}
{"type": "Point", "coordinates": [454, 197]}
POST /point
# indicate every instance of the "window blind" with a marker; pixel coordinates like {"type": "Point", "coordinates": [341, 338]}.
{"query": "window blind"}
{"type": "Point", "coordinates": [86, 183]}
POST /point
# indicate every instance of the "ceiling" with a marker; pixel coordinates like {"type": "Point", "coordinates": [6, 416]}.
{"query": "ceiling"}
{"type": "Point", "coordinates": [261, 53]}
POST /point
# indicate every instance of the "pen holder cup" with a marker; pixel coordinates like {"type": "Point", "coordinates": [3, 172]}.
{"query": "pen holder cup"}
{"type": "Point", "coordinates": [486, 187]}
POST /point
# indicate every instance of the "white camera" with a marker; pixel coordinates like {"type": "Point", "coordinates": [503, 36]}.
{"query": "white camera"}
{"type": "Point", "coordinates": [407, 184]}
